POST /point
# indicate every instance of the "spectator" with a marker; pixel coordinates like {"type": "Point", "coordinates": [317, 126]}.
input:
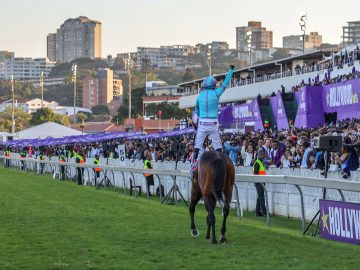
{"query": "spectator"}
{"type": "Point", "coordinates": [249, 156]}
{"type": "Point", "coordinates": [276, 153]}
{"type": "Point", "coordinates": [306, 150]}
{"type": "Point", "coordinates": [232, 148]}
{"type": "Point", "coordinates": [259, 169]}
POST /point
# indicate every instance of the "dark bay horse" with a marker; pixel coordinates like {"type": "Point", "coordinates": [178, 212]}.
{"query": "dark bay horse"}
{"type": "Point", "coordinates": [214, 181]}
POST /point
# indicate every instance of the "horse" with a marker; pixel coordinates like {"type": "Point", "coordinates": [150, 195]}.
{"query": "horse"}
{"type": "Point", "coordinates": [214, 178]}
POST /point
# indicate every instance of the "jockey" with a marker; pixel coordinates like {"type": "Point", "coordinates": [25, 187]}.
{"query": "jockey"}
{"type": "Point", "coordinates": [207, 111]}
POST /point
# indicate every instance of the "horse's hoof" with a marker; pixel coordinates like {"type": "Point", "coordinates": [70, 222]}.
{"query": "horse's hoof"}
{"type": "Point", "coordinates": [223, 239]}
{"type": "Point", "coordinates": [207, 237]}
{"type": "Point", "coordinates": [195, 233]}
{"type": "Point", "coordinates": [214, 241]}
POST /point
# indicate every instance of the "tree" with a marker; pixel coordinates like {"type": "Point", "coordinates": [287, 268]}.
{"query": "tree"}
{"type": "Point", "coordinates": [21, 89]}
{"type": "Point", "coordinates": [136, 101]}
{"type": "Point", "coordinates": [100, 110]}
{"type": "Point", "coordinates": [122, 114]}
{"type": "Point", "coordinates": [188, 76]}
{"type": "Point", "coordinates": [81, 117]}
{"type": "Point", "coordinates": [21, 119]}
{"type": "Point", "coordinates": [168, 111]}
{"type": "Point", "coordinates": [281, 53]}
{"type": "Point", "coordinates": [44, 115]}
{"type": "Point", "coordinates": [118, 64]}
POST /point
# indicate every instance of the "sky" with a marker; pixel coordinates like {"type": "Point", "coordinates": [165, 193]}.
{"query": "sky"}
{"type": "Point", "coordinates": [127, 24]}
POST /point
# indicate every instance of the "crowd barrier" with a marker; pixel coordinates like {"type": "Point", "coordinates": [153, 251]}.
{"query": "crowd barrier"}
{"type": "Point", "coordinates": [289, 192]}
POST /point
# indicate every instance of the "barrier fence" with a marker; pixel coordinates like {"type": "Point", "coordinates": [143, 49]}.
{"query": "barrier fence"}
{"type": "Point", "coordinates": [292, 196]}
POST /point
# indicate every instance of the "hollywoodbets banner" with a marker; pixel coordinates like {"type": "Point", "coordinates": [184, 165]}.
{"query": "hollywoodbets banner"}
{"type": "Point", "coordinates": [249, 112]}
{"type": "Point", "coordinates": [342, 98]}
{"type": "Point", "coordinates": [233, 116]}
{"type": "Point", "coordinates": [340, 221]}
{"type": "Point", "coordinates": [278, 109]}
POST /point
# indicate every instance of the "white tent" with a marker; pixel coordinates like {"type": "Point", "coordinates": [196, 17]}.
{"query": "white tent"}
{"type": "Point", "coordinates": [4, 136]}
{"type": "Point", "coordinates": [45, 130]}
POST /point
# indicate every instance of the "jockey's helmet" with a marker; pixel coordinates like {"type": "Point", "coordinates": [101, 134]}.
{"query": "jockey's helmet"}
{"type": "Point", "coordinates": [209, 82]}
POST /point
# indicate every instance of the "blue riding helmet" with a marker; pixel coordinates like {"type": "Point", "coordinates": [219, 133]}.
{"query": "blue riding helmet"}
{"type": "Point", "coordinates": [209, 82]}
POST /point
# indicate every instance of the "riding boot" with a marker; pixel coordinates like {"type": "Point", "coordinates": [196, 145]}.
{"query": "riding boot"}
{"type": "Point", "coordinates": [194, 159]}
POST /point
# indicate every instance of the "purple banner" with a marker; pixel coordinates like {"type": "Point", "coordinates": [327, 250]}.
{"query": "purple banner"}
{"type": "Point", "coordinates": [340, 221]}
{"type": "Point", "coordinates": [278, 109]}
{"type": "Point", "coordinates": [225, 116]}
{"type": "Point", "coordinates": [342, 98]}
{"type": "Point", "coordinates": [99, 137]}
{"type": "Point", "coordinates": [310, 113]}
{"type": "Point", "coordinates": [248, 113]}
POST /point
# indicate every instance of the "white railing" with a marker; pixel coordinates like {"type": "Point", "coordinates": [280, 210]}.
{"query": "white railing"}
{"type": "Point", "coordinates": [305, 191]}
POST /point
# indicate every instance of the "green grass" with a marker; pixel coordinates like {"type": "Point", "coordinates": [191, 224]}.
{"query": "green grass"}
{"type": "Point", "coordinates": [46, 224]}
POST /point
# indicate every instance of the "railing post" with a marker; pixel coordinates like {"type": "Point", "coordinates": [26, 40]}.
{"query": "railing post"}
{"type": "Point", "coordinates": [237, 201]}
{"type": "Point", "coordinates": [267, 205]}
{"type": "Point", "coordinates": [342, 195]}
{"type": "Point", "coordinates": [302, 207]}
{"type": "Point", "coordinates": [160, 188]}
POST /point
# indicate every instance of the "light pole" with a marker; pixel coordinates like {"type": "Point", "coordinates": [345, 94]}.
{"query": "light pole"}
{"type": "Point", "coordinates": [159, 115]}
{"type": "Point", "coordinates": [249, 44]}
{"type": "Point", "coordinates": [209, 58]}
{"type": "Point", "coordinates": [129, 65]}
{"type": "Point", "coordinates": [18, 118]}
{"type": "Point", "coordinates": [145, 62]}
{"type": "Point", "coordinates": [42, 88]}
{"type": "Point", "coordinates": [74, 68]}
{"type": "Point", "coordinates": [302, 24]}
{"type": "Point", "coordinates": [12, 106]}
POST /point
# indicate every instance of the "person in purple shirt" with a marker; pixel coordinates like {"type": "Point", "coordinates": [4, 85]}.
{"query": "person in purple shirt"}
{"type": "Point", "coordinates": [276, 153]}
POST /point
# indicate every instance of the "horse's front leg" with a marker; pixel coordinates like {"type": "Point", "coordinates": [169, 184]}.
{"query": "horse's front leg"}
{"type": "Point", "coordinates": [195, 197]}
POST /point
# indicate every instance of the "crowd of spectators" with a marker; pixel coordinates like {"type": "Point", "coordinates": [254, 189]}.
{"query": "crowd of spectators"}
{"type": "Point", "coordinates": [284, 149]}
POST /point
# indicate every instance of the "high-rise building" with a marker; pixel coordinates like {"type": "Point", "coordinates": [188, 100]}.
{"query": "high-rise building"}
{"type": "Point", "coordinates": [117, 88]}
{"type": "Point", "coordinates": [51, 47]}
{"type": "Point", "coordinates": [151, 56]}
{"type": "Point", "coordinates": [125, 56]}
{"type": "Point", "coordinates": [219, 46]}
{"type": "Point", "coordinates": [351, 33]}
{"type": "Point", "coordinates": [100, 90]}
{"type": "Point", "coordinates": [313, 40]}
{"type": "Point", "coordinates": [261, 39]}
{"type": "Point", "coordinates": [79, 38]}
{"type": "Point", "coordinates": [90, 92]}
{"type": "Point", "coordinates": [106, 85]}
{"type": "Point", "coordinates": [25, 68]}
{"type": "Point", "coordinates": [176, 50]}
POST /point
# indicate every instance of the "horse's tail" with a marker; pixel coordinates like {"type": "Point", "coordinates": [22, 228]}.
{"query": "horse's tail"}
{"type": "Point", "coordinates": [218, 181]}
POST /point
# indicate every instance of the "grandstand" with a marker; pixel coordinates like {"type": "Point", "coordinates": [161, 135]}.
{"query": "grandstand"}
{"type": "Point", "coordinates": [284, 76]}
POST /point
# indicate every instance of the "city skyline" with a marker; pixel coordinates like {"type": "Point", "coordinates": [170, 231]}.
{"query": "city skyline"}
{"type": "Point", "coordinates": [153, 24]}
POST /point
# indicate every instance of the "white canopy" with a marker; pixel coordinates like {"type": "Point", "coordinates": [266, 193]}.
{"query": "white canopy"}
{"type": "Point", "coordinates": [45, 130]}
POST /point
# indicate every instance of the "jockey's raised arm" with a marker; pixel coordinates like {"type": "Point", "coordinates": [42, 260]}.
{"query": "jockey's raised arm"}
{"type": "Point", "coordinates": [220, 90]}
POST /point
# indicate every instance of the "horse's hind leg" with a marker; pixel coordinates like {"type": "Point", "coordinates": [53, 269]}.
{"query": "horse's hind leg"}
{"type": "Point", "coordinates": [210, 203]}
{"type": "Point", "coordinates": [227, 195]}
{"type": "Point", "coordinates": [226, 210]}
{"type": "Point", "coordinates": [195, 197]}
